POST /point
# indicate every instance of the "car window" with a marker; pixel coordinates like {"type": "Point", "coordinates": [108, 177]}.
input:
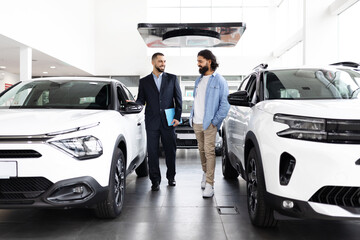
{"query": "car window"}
{"type": "Point", "coordinates": [128, 95]}
{"type": "Point", "coordinates": [121, 97]}
{"type": "Point", "coordinates": [251, 86]}
{"type": "Point", "coordinates": [244, 84]}
{"type": "Point", "coordinates": [310, 84]}
{"type": "Point", "coordinates": [67, 94]}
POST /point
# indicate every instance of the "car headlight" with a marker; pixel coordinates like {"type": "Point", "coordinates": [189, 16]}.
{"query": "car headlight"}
{"type": "Point", "coordinates": [303, 128]}
{"type": "Point", "coordinates": [85, 147]}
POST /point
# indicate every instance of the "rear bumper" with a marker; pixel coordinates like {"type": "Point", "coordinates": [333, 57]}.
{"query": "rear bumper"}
{"type": "Point", "coordinates": [31, 193]}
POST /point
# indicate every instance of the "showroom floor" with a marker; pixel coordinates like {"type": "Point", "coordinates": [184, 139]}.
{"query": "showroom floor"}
{"type": "Point", "coordinates": [172, 213]}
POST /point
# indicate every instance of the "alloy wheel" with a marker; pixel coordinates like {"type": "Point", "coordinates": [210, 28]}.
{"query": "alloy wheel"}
{"type": "Point", "coordinates": [119, 186]}
{"type": "Point", "coordinates": [252, 188]}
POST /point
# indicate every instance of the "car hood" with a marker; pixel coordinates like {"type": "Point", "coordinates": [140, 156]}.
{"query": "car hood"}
{"type": "Point", "coordinates": [43, 121]}
{"type": "Point", "coordinates": [330, 109]}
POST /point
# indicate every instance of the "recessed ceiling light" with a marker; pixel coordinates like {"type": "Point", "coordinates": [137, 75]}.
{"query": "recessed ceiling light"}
{"type": "Point", "coordinates": [45, 72]}
{"type": "Point", "coordinates": [52, 67]}
{"type": "Point", "coordinates": [2, 67]}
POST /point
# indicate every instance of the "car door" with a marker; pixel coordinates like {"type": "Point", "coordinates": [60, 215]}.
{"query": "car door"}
{"type": "Point", "coordinates": [239, 118]}
{"type": "Point", "coordinates": [135, 123]}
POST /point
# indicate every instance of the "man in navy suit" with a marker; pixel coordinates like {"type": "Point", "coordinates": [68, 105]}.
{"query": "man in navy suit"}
{"type": "Point", "coordinates": [159, 91]}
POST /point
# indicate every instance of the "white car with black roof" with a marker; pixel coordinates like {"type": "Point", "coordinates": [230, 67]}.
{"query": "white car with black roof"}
{"type": "Point", "coordinates": [69, 142]}
{"type": "Point", "coordinates": [294, 134]}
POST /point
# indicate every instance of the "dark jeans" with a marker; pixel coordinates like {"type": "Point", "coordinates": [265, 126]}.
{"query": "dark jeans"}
{"type": "Point", "coordinates": [168, 141]}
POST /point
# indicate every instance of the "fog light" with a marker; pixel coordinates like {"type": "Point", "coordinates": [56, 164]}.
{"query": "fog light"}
{"type": "Point", "coordinates": [79, 189]}
{"type": "Point", "coordinates": [70, 193]}
{"type": "Point", "coordinates": [288, 204]}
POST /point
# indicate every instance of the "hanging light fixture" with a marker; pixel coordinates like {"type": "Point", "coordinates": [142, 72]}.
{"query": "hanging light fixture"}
{"type": "Point", "coordinates": [162, 35]}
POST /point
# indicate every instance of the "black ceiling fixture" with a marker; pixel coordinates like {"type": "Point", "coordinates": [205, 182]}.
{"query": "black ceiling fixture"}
{"type": "Point", "coordinates": [162, 35]}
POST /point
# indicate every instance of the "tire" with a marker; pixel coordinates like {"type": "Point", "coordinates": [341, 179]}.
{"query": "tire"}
{"type": "Point", "coordinates": [143, 169]}
{"type": "Point", "coordinates": [229, 172]}
{"type": "Point", "coordinates": [261, 215]}
{"type": "Point", "coordinates": [111, 207]}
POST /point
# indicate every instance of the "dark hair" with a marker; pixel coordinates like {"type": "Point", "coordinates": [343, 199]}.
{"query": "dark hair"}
{"type": "Point", "coordinates": [207, 54]}
{"type": "Point", "coordinates": [155, 55]}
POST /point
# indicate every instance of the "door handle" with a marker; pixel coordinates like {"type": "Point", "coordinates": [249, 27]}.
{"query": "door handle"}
{"type": "Point", "coordinates": [138, 124]}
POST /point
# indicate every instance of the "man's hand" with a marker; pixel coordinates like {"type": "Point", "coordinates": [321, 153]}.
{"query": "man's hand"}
{"type": "Point", "coordinates": [175, 122]}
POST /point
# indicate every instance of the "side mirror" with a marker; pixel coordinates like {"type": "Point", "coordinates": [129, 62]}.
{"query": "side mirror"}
{"type": "Point", "coordinates": [240, 98]}
{"type": "Point", "coordinates": [133, 107]}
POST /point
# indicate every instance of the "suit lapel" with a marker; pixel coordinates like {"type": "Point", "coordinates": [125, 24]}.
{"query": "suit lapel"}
{"type": "Point", "coordinates": [163, 82]}
{"type": "Point", "coordinates": [152, 82]}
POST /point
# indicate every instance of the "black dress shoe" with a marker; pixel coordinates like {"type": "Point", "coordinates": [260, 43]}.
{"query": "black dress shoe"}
{"type": "Point", "coordinates": [155, 186]}
{"type": "Point", "coordinates": [172, 183]}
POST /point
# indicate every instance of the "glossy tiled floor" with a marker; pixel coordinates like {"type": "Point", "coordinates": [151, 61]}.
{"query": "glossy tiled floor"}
{"type": "Point", "coordinates": [172, 213]}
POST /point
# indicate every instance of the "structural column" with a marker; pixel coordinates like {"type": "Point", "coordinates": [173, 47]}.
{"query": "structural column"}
{"type": "Point", "coordinates": [25, 63]}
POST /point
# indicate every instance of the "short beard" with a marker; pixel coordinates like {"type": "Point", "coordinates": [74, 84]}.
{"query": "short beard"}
{"type": "Point", "coordinates": [159, 70]}
{"type": "Point", "coordinates": [203, 70]}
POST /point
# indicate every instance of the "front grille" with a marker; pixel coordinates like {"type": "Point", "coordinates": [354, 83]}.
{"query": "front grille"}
{"type": "Point", "coordinates": [184, 130]}
{"type": "Point", "coordinates": [23, 188]}
{"type": "Point", "coordinates": [19, 154]}
{"type": "Point", "coordinates": [337, 195]}
{"type": "Point", "coordinates": [343, 131]}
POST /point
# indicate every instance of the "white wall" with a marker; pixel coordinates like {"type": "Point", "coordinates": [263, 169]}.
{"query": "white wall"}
{"type": "Point", "coordinates": [320, 33]}
{"type": "Point", "coordinates": [119, 48]}
{"type": "Point", "coordinates": [63, 29]}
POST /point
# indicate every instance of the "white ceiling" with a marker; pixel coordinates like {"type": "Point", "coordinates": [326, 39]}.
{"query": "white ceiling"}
{"type": "Point", "coordinates": [10, 58]}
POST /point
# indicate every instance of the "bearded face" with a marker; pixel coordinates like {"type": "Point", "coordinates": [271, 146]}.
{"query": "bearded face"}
{"type": "Point", "coordinates": [203, 64]}
{"type": "Point", "coordinates": [159, 63]}
{"type": "Point", "coordinates": [203, 70]}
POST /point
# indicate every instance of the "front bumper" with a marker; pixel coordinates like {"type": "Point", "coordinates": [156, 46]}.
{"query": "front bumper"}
{"type": "Point", "coordinates": [38, 192]}
{"type": "Point", "coordinates": [310, 210]}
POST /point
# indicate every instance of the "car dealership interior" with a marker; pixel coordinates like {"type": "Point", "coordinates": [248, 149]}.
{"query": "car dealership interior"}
{"type": "Point", "coordinates": [287, 153]}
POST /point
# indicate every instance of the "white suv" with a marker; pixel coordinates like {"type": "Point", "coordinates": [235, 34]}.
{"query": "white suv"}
{"type": "Point", "coordinates": [294, 136]}
{"type": "Point", "coordinates": [69, 142]}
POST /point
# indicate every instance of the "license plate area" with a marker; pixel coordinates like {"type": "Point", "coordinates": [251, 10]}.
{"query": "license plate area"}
{"type": "Point", "coordinates": [186, 136]}
{"type": "Point", "coordinates": [8, 169]}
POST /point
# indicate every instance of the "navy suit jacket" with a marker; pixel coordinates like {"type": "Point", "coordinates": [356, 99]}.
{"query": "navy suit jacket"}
{"type": "Point", "coordinates": [156, 102]}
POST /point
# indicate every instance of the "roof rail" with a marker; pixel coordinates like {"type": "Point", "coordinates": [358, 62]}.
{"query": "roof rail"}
{"type": "Point", "coordinates": [347, 64]}
{"type": "Point", "coordinates": [260, 66]}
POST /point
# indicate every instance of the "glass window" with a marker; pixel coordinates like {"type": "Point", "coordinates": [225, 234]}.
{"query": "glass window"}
{"type": "Point", "coordinates": [244, 83]}
{"type": "Point", "coordinates": [128, 95]}
{"type": "Point", "coordinates": [67, 94]}
{"type": "Point", "coordinates": [310, 84]}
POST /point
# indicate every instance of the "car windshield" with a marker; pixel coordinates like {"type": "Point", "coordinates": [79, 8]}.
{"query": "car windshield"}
{"type": "Point", "coordinates": [64, 94]}
{"type": "Point", "coordinates": [311, 84]}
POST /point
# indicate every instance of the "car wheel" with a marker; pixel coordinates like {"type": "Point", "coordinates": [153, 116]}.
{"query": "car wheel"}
{"type": "Point", "coordinates": [229, 172]}
{"type": "Point", "coordinates": [143, 169]}
{"type": "Point", "coordinates": [260, 214]}
{"type": "Point", "coordinates": [111, 207]}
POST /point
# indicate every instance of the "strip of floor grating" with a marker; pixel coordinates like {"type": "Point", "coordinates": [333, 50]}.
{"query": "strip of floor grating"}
{"type": "Point", "coordinates": [227, 210]}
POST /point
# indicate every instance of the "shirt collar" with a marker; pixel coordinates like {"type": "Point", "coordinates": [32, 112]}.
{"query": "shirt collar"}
{"type": "Point", "coordinates": [213, 74]}
{"type": "Point", "coordinates": [155, 77]}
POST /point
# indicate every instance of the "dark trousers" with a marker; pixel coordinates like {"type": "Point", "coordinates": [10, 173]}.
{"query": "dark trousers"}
{"type": "Point", "coordinates": [168, 141]}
